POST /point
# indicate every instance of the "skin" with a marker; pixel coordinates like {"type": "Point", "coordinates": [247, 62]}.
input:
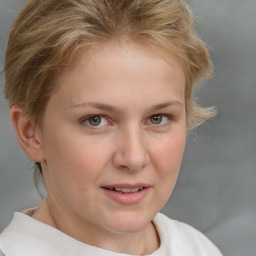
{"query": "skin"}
{"type": "Point", "coordinates": [137, 99]}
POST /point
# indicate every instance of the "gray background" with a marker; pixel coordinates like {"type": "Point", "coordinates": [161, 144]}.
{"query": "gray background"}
{"type": "Point", "coordinates": [216, 190]}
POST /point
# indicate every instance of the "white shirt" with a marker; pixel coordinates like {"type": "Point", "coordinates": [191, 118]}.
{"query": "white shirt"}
{"type": "Point", "coordinates": [26, 236]}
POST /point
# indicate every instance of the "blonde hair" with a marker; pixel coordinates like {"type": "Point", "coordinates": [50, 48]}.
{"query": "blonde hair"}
{"type": "Point", "coordinates": [48, 33]}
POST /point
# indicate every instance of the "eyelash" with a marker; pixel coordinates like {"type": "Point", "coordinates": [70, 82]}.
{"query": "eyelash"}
{"type": "Point", "coordinates": [86, 121]}
{"type": "Point", "coordinates": [168, 119]}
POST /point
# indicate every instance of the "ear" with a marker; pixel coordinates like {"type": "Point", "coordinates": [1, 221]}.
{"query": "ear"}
{"type": "Point", "coordinates": [27, 134]}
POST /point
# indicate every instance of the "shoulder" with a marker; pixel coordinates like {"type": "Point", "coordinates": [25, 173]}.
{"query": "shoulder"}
{"type": "Point", "coordinates": [20, 230]}
{"type": "Point", "coordinates": [30, 237]}
{"type": "Point", "coordinates": [184, 238]}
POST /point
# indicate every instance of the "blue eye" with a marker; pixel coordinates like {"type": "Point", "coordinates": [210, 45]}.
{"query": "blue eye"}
{"type": "Point", "coordinates": [95, 121]}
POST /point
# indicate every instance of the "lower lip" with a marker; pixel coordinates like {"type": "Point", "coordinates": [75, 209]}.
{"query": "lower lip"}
{"type": "Point", "coordinates": [127, 198]}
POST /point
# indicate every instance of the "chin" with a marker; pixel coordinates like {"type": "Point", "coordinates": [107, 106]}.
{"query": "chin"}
{"type": "Point", "coordinates": [129, 222]}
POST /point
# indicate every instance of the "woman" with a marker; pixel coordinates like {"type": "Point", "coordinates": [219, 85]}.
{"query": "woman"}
{"type": "Point", "coordinates": [100, 97]}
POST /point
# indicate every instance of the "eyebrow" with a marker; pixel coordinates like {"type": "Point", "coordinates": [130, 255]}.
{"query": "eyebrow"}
{"type": "Point", "coordinates": [100, 106]}
{"type": "Point", "coordinates": [106, 107]}
{"type": "Point", "coordinates": [165, 104]}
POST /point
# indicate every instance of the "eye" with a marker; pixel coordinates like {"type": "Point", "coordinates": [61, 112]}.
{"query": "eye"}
{"type": "Point", "coordinates": [156, 119]}
{"type": "Point", "coordinates": [95, 121]}
{"type": "Point", "coordinates": [159, 119]}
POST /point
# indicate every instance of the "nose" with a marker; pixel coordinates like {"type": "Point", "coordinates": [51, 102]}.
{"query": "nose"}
{"type": "Point", "coordinates": [131, 152]}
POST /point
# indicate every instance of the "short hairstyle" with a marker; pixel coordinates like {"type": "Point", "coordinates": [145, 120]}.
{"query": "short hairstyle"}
{"type": "Point", "coordinates": [48, 33]}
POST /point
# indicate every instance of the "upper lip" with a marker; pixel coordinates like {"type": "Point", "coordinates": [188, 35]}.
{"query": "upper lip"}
{"type": "Point", "coordinates": [127, 185]}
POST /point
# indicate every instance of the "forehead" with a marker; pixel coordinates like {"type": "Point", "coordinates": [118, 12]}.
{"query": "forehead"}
{"type": "Point", "coordinates": [123, 57]}
{"type": "Point", "coordinates": [121, 70]}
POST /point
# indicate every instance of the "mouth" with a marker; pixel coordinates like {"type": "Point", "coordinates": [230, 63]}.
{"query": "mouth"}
{"type": "Point", "coordinates": [127, 194]}
{"type": "Point", "coordinates": [124, 190]}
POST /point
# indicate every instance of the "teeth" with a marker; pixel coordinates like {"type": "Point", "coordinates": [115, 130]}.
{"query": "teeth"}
{"type": "Point", "coordinates": [127, 190]}
{"type": "Point", "coordinates": [133, 190]}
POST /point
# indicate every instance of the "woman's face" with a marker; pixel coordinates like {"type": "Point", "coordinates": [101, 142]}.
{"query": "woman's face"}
{"type": "Point", "coordinates": [113, 137]}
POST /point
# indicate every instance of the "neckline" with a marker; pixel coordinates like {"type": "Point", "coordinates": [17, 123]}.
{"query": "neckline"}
{"type": "Point", "coordinates": [55, 239]}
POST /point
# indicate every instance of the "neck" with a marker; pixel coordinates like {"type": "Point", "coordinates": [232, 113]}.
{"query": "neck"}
{"type": "Point", "coordinates": [142, 242]}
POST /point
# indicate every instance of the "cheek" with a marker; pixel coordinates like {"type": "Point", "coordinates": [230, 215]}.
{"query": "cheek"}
{"type": "Point", "coordinates": [73, 168]}
{"type": "Point", "coordinates": [168, 155]}
{"type": "Point", "coordinates": [72, 159]}
{"type": "Point", "coordinates": [167, 159]}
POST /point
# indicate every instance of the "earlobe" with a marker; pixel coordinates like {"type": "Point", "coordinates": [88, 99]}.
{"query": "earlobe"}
{"type": "Point", "coordinates": [27, 134]}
